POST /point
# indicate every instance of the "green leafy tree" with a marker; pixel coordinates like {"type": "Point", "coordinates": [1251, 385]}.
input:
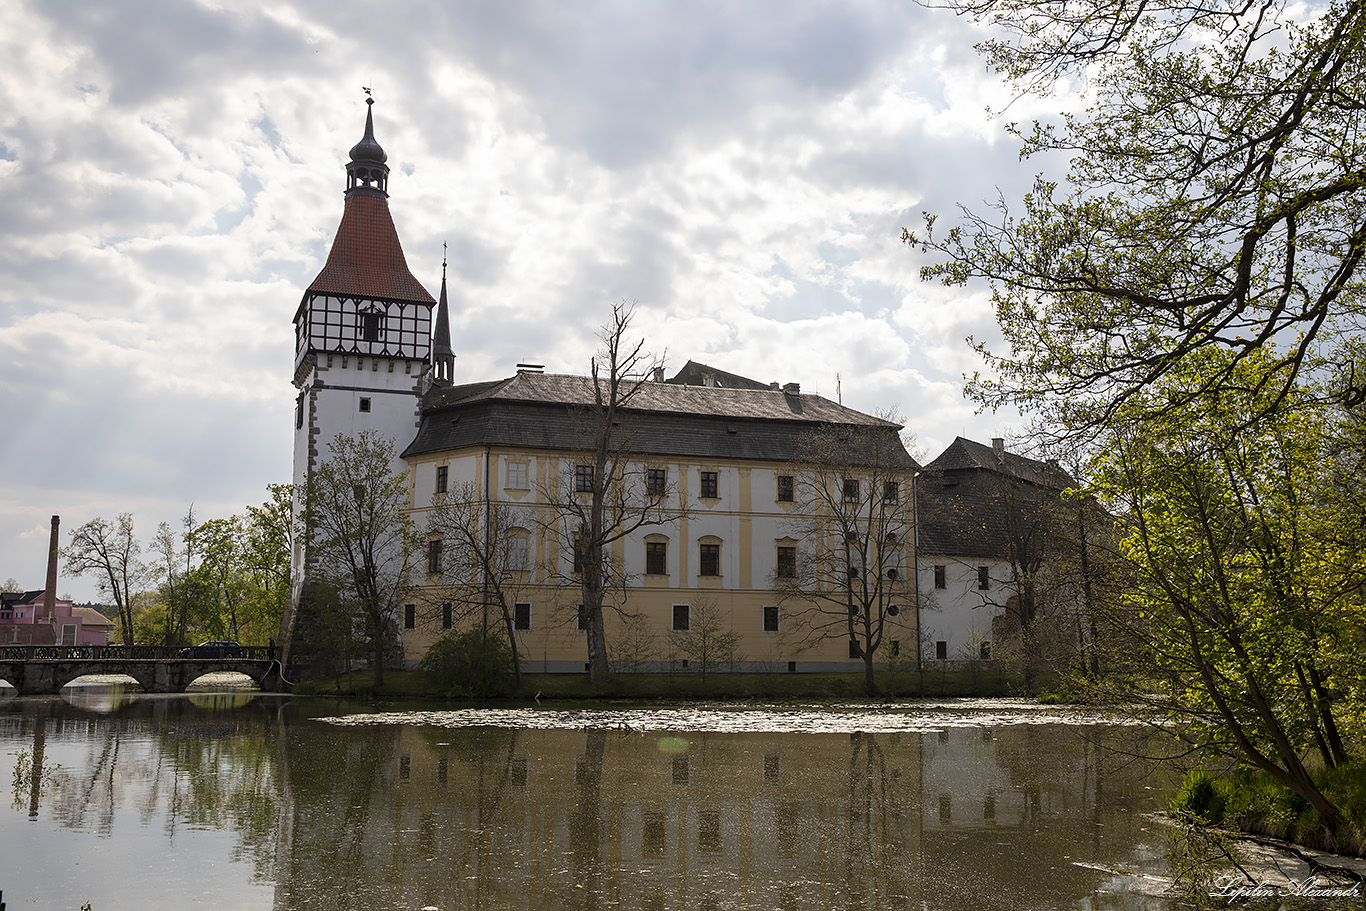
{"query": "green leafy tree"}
{"type": "Point", "coordinates": [476, 662]}
{"type": "Point", "coordinates": [1249, 590]}
{"type": "Point", "coordinates": [1216, 199]}
{"type": "Point", "coordinates": [110, 551]}
{"type": "Point", "coordinates": [359, 535]}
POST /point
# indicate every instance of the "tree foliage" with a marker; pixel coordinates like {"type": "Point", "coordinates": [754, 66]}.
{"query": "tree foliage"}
{"type": "Point", "coordinates": [475, 663]}
{"type": "Point", "coordinates": [1249, 591]}
{"type": "Point", "coordinates": [110, 551]}
{"type": "Point", "coordinates": [359, 535]}
{"type": "Point", "coordinates": [1216, 201]}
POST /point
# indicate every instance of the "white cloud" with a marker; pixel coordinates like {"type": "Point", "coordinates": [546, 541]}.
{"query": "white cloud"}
{"type": "Point", "coordinates": [171, 177]}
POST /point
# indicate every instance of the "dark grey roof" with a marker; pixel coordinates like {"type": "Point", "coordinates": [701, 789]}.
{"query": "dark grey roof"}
{"type": "Point", "coordinates": [549, 411]}
{"type": "Point", "coordinates": [970, 502]}
{"type": "Point", "coordinates": [695, 374]}
{"type": "Point", "coordinates": [963, 453]}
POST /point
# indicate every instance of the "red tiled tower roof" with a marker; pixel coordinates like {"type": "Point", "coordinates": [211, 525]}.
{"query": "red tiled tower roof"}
{"type": "Point", "coordinates": [366, 259]}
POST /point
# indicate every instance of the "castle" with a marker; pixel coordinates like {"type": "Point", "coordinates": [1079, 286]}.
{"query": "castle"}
{"type": "Point", "coordinates": [734, 550]}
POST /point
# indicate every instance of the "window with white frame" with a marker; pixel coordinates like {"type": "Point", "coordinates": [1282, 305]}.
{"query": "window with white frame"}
{"type": "Point", "coordinates": [517, 476]}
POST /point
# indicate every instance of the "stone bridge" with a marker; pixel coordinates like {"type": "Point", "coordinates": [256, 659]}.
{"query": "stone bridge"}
{"type": "Point", "coordinates": [36, 670]}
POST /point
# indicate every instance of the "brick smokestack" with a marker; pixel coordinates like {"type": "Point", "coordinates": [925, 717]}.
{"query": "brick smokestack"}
{"type": "Point", "coordinates": [50, 593]}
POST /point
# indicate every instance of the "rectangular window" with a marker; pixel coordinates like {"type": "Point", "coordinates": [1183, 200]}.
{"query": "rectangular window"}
{"type": "Point", "coordinates": [785, 492]}
{"type": "Point", "coordinates": [656, 481]}
{"type": "Point", "coordinates": [521, 615]}
{"type": "Point", "coordinates": [517, 476]}
{"type": "Point", "coordinates": [365, 404]}
{"type": "Point", "coordinates": [983, 578]}
{"type": "Point", "coordinates": [710, 563]}
{"type": "Point", "coordinates": [369, 326]}
{"type": "Point", "coordinates": [891, 492]}
{"type": "Point", "coordinates": [709, 486]}
{"type": "Point", "coordinates": [447, 615]}
{"type": "Point", "coordinates": [682, 618]}
{"type": "Point", "coordinates": [941, 650]}
{"type": "Point", "coordinates": [68, 634]}
{"type": "Point", "coordinates": [410, 616]}
{"type": "Point", "coordinates": [299, 413]}
{"type": "Point", "coordinates": [434, 555]}
{"type": "Point", "coordinates": [583, 617]}
{"type": "Point", "coordinates": [656, 560]}
{"type": "Point", "coordinates": [851, 494]}
{"type": "Point", "coordinates": [941, 576]}
{"type": "Point", "coordinates": [583, 478]}
{"type": "Point", "coordinates": [787, 562]}
{"type": "Point", "coordinates": [517, 557]}
{"type": "Point", "coordinates": [770, 618]}
{"type": "Point", "coordinates": [442, 474]}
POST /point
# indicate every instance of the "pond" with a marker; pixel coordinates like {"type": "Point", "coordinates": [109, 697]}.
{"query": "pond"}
{"type": "Point", "coordinates": [239, 800]}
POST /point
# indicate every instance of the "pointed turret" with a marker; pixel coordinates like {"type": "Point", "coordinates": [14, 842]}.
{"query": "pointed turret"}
{"type": "Point", "coordinates": [366, 173]}
{"type": "Point", "coordinates": [443, 356]}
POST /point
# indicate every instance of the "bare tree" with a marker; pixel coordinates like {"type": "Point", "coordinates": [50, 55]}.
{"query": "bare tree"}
{"type": "Point", "coordinates": [110, 551]}
{"type": "Point", "coordinates": [847, 573]}
{"type": "Point", "coordinates": [483, 557]}
{"type": "Point", "coordinates": [602, 493]}
{"type": "Point", "coordinates": [710, 642]}
{"type": "Point", "coordinates": [359, 533]}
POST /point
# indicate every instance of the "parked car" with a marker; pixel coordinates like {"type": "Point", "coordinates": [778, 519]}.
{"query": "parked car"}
{"type": "Point", "coordinates": [214, 648]}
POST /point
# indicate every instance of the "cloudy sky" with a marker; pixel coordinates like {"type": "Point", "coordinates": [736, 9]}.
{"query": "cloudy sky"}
{"type": "Point", "coordinates": [171, 177]}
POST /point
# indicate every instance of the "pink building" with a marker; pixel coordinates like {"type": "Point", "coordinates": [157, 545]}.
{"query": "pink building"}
{"type": "Point", "coordinates": [22, 622]}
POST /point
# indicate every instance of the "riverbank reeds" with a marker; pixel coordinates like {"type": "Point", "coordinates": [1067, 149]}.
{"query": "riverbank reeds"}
{"type": "Point", "coordinates": [1250, 801]}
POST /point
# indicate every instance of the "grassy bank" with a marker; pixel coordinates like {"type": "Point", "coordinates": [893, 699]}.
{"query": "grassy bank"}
{"type": "Point", "coordinates": [551, 687]}
{"type": "Point", "coordinates": [1251, 801]}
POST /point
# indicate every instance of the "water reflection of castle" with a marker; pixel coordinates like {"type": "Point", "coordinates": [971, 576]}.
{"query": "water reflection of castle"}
{"type": "Point", "coordinates": [430, 817]}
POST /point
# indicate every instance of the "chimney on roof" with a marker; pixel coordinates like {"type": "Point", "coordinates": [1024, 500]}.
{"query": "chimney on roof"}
{"type": "Point", "coordinates": [792, 388]}
{"type": "Point", "coordinates": [774, 386]}
{"type": "Point", "coordinates": [657, 374]}
{"type": "Point", "coordinates": [50, 595]}
{"type": "Point", "coordinates": [998, 446]}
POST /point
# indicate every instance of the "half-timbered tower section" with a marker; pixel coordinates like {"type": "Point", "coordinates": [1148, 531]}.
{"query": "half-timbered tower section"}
{"type": "Point", "coordinates": [363, 332]}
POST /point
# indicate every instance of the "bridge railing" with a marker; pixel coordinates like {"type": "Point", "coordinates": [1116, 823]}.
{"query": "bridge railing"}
{"type": "Point", "coordinates": [124, 652]}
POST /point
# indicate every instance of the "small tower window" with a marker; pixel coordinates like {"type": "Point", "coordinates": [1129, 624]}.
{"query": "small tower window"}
{"type": "Point", "coordinates": [365, 404]}
{"type": "Point", "coordinates": [369, 325]}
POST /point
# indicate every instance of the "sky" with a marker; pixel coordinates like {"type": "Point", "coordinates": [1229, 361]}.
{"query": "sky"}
{"type": "Point", "coordinates": [171, 178]}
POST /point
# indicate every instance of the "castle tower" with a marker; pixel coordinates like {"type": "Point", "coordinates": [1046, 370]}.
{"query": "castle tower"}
{"type": "Point", "coordinates": [363, 333]}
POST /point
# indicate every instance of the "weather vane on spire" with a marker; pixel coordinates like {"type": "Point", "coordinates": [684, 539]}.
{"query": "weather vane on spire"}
{"type": "Point", "coordinates": [443, 260]}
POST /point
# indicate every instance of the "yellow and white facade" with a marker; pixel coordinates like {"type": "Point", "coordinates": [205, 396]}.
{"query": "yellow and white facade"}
{"type": "Point", "coordinates": [724, 460]}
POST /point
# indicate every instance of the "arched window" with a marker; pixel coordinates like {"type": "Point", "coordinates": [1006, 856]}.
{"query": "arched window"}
{"type": "Point", "coordinates": [709, 556]}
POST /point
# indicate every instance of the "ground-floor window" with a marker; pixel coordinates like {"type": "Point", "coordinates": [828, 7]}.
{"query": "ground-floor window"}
{"type": "Point", "coordinates": [941, 650]}
{"type": "Point", "coordinates": [447, 615]}
{"type": "Point", "coordinates": [521, 615]}
{"type": "Point", "coordinates": [682, 617]}
{"type": "Point", "coordinates": [770, 618]}
{"type": "Point", "coordinates": [410, 616]}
